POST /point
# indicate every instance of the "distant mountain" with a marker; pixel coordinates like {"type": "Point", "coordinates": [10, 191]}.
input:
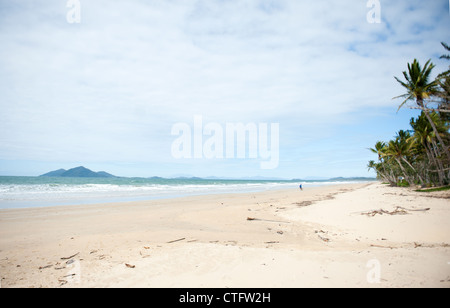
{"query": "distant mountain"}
{"type": "Point", "coordinates": [78, 172]}
{"type": "Point", "coordinates": [55, 173]}
{"type": "Point", "coordinates": [104, 174]}
{"type": "Point", "coordinates": [188, 178]}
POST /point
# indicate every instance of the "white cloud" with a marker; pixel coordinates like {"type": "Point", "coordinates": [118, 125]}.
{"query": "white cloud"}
{"type": "Point", "coordinates": [110, 87]}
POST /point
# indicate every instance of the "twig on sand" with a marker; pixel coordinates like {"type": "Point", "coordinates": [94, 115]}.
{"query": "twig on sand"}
{"type": "Point", "coordinates": [269, 220]}
{"type": "Point", "coordinates": [380, 246]}
{"type": "Point", "coordinates": [177, 240]}
{"type": "Point", "coordinates": [144, 256]}
{"type": "Point", "coordinates": [416, 210]}
{"type": "Point", "coordinates": [323, 238]}
{"type": "Point", "coordinates": [430, 245]}
{"type": "Point", "coordinates": [67, 258]}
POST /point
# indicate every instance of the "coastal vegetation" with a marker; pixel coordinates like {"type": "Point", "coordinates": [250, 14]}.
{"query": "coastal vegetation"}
{"type": "Point", "coordinates": [419, 155]}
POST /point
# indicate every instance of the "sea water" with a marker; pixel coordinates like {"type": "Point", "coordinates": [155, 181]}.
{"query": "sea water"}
{"type": "Point", "coordinates": [23, 192]}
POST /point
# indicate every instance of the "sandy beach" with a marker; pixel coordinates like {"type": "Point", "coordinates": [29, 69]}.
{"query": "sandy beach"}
{"type": "Point", "coordinates": [354, 235]}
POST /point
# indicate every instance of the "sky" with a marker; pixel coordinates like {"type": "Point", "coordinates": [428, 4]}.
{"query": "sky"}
{"type": "Point", "coordinates": [107, 89]}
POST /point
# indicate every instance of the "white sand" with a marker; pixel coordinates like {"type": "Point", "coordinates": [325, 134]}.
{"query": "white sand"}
{"type": "Point", "coordinates": [328, 243]}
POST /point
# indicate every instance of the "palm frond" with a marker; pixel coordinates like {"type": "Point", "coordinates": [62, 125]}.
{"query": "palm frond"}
{"type": "Point", "coordinates": [447, 47]}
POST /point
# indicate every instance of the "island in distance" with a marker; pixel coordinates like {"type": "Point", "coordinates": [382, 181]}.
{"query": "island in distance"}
{"type": "Point", "coordinates": [79, 172]}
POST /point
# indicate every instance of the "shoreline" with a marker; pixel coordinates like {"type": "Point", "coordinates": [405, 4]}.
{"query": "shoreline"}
{"type": "Point", "coordinates": [21, 195]}
{"type": "Point", "coordinates": [170, 198]}
{"type": "Point", "coordinates": [315, 237]}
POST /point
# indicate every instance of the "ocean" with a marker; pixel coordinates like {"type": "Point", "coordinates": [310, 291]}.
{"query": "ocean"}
{"type": "Point", "coordinates": [26, 192]}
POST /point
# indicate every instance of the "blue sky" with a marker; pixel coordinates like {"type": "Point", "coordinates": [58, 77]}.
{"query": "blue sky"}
{"type": "Point", "coordinates": [105, 92]}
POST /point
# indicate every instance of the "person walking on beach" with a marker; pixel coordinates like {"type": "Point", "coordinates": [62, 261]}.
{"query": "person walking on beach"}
{"type": "Point", "coordinates": [300, 186]}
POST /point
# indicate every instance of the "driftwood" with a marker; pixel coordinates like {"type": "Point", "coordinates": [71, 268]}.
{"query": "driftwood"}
{"type": "Point", "coordinates": [67, 258]}
{"type": "Point", "coordinates": [60, 268]}
{"type": "Point", "coordinates": [177, 240]}
{"type": "Point", "coordinates": [380, 246]}
{"type": "Point", "coordinates": [399, 210]}
{"type": "Point", "coordinates": [430, 245]}
{"type": "Point", "coordinates": [259, 219]}
{"type": "Point", "coordinates": [416, 210]}
{"type": "Point", "coordinates": [130, 265]}
{"type": "Point", "coordinates": [144, 255]}
{"type": "Point", "coordinates": [323, 238]}
{"type": "Point", "coordinates": [381, 212]}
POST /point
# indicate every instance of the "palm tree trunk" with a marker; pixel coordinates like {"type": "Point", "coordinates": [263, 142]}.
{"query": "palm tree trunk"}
{"type": "Point", "coordinates": [415, 171]}
{"type": "Point", "coordinates": [439, 164]}
{"type": "Point", "coordinates": [434, 161]}
{"type": "Point", "coordinates": [427, 114]}
{"type": "Point", "coordinates": [411, 183]}
{"type": "Point", "coordinates": [393, 178]}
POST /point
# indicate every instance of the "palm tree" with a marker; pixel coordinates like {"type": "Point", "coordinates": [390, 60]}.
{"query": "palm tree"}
{"type": "Point", "coordinates": [448, 49]}
{"type": "Point", "coordinates": [443, 80]}
{"type": "Point", "coordinates": [418, 83]}
{"type": "Point", "coordinates": [424, 135]}
{"type": "Point", "coordinates": [399, 149]}
{"type": "Point", "coordinates": [379, 149]}
{"type": "Point", "coordinates": [446, 73]}
{"type": "Point", "coordinates": [444, 94]}
{"type": "Point", "coordinates": [380, 168]}
{"type": "Point", "coordinates": [419, 87]}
